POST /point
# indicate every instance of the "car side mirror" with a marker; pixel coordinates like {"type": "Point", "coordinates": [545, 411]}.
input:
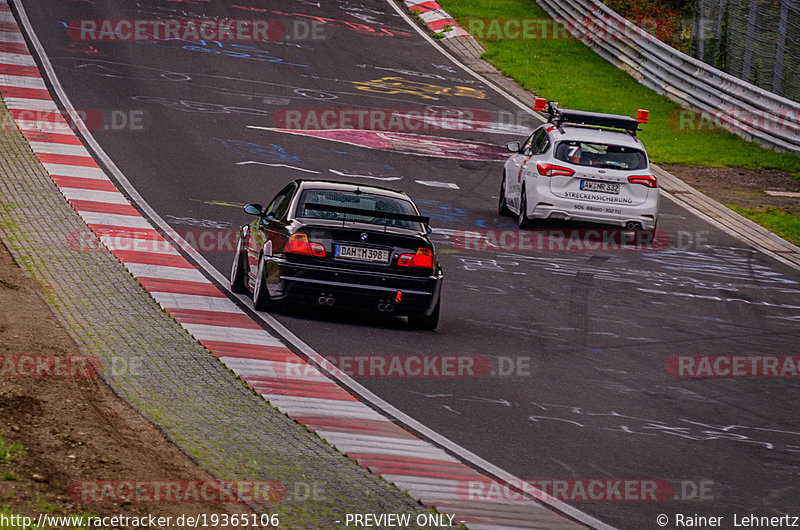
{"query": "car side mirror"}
{"type": "Point", "coordinates": [254, 209]}
{"type": "Point", "coordinates": [513, 147]}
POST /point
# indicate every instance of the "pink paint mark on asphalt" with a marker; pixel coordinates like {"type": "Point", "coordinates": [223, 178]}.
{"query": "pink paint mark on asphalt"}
{"type": "Point", "coordinates": [412, 144]}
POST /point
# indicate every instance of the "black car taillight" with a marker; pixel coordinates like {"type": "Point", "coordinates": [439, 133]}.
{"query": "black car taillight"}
{"type": "Point", "coordinates": [423, 259]}
{"type": "Point", "coordinates": [298, 244]}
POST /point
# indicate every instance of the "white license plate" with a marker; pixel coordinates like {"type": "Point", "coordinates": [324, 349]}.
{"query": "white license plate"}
{"type": "Point", "coordinates": [361, 253]}
{"type": "Point", "coordinates": [602, 187]}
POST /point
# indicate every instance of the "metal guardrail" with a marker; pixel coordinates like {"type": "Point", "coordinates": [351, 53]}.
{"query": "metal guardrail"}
{"type": "Point", "coordinates": [745, 109]}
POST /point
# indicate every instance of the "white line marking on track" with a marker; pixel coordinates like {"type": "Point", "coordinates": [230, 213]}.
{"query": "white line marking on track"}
{"type": "Point", "coordinates": [437, 184]}
{"type": "Point", "coordinates": [343, 174]}
{"type": "Point", "coordinates": [247, 162]}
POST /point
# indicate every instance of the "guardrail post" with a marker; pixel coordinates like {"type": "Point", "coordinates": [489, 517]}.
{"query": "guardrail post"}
{"type": "Point", "coordinates": [718, 59]}
{"type": "Point", "coordinates": [777, 78]}
{"type": "Point", "coordinates": [747, 61]}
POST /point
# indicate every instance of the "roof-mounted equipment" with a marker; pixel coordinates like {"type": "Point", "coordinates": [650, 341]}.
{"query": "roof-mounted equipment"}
{"type": "Point", "coordinates": [559, 117]}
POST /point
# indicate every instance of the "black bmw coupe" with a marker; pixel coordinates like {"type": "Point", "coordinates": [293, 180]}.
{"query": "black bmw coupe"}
{"type": "Point", "coordinates": [340, 244]}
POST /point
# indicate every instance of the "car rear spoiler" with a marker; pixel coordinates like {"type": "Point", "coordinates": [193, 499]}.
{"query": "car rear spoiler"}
{"type": "Point", "coordinates": [360, 211]}
{"type": "Point", "coordinates": [559, 117]}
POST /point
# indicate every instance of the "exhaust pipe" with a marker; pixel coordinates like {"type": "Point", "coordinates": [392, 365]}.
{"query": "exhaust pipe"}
{"type": "Point", "coordinates": [326, 300]}
{"type": "Point", "coordinates": [633, 225]}
{"type": "Point", "coordinates": [385, 307]}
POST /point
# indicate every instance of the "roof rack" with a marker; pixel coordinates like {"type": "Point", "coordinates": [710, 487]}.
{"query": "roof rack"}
{"type": "Point", "coordinates": [558, 117]}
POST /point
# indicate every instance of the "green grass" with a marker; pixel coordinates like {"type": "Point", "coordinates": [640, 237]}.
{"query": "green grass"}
{"type": "Point", "coordinates": [782, 223]}
{"type": "Point", "coordinates": [41, 505]}
{"type": "Point", "coordinates": [9, 450]}
{"type": "Point", "coordinates": [572, 74]}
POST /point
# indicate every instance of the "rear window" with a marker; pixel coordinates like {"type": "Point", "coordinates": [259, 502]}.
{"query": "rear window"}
{"type": "Point", "coordinates": [374, 204]}
{"type": "Point", "coordinates": [601, 155]}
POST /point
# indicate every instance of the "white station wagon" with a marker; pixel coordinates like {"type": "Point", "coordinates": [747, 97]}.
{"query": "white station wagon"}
{"type": "Point", "coordinates": [581, 166]}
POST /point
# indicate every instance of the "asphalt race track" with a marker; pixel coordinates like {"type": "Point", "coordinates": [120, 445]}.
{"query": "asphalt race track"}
{"type": "Point", "coordinates": [579, 339]}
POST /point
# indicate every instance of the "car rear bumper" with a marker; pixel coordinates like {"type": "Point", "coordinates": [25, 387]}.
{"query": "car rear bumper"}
{"type": "Point", "coordinates": [646, 214]}
{"type": "Point", "coordinates": [370, 290]}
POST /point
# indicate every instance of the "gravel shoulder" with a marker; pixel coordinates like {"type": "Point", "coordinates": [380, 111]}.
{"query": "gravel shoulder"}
{"type": "Point", "coordinates": [57, 431]}
{"type": "Point", "coordinates": [741, 187]}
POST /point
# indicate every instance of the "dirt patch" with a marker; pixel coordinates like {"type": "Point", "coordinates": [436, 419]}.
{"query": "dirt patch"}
{"type": "Point", "coordinates": [55, 431]}
{"type": "Point", "coordinates": [741, 187]}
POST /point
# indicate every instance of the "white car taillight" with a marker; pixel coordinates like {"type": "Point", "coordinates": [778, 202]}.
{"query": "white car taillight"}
{"type": "Point", "coordinates": [550, 170]}
{"type": "Point", "coordinates": [648, 181]}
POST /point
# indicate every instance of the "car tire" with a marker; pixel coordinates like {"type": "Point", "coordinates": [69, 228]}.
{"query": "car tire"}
{"type": "Point", "coordinates": [652, 234]}
{"type": "Point", "coordinates": [428, 323]}
{"type": "Point", "coordinates": [522, 219]}
{"type": "Point", "coordinates": [502, 207]}
{"type": "Point", "coordinates": [261, 299]}
{"type": "Point", "coordinates": [239, 268]}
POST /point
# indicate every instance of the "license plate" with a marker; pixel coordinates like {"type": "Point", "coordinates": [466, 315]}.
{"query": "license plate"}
{"type": "Point", "coordinates": [361, 253]}
{"type": "Point", "coordinates": [602, 187]}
